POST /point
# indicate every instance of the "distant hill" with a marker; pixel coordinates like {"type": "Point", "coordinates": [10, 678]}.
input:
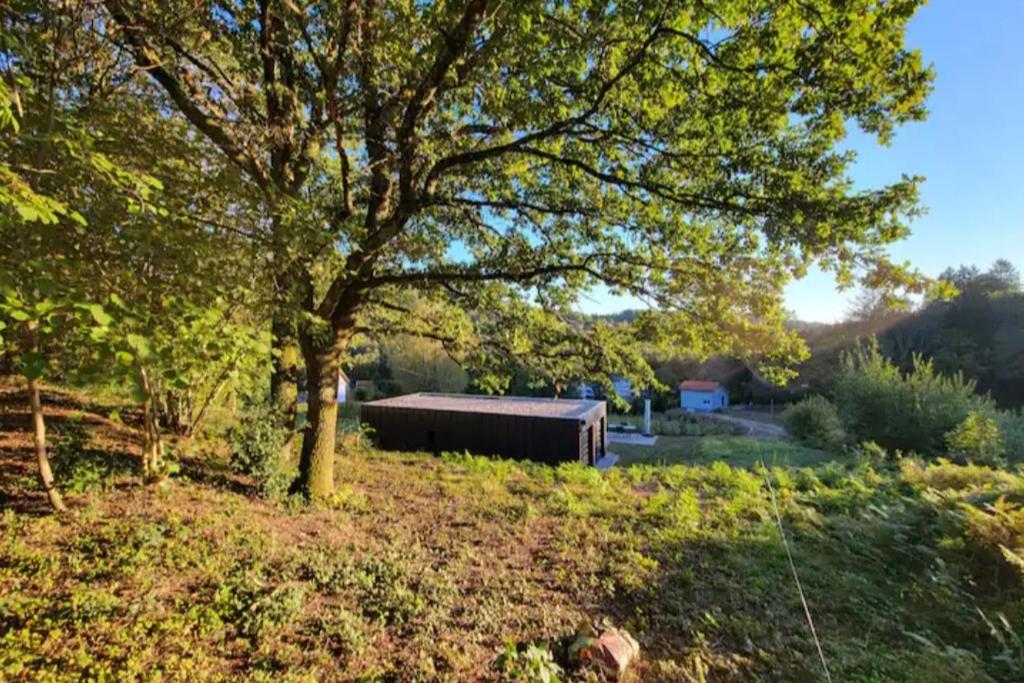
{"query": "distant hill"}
{"type": "Point", "coordinates": [980, 333]}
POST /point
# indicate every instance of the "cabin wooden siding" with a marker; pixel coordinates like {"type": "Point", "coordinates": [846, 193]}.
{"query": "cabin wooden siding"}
{"type": "Point", "coordinates": [519, 437]}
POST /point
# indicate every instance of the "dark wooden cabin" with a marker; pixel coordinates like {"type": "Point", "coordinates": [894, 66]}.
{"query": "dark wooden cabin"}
{"type": "Point", "coordinates": [541, 429]}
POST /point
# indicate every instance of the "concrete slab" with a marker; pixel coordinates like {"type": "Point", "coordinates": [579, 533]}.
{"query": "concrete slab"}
{"type": "Point", "coordinates": [634, 439]}
{"type": "Point", "coordinates": [607, 461]}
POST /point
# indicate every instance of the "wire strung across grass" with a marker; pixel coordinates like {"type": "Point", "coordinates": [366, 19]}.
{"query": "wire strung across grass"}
{"type": "Point", "coordinates": [796, 577]}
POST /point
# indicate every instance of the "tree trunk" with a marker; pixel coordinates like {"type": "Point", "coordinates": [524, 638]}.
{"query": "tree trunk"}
{"type": "Point", "coordinates": [152, 443]}
{"type": "Point", "coordinates": [39, 433]}
{"type": "Point", "coordinates": [316, 464]}
{"type": "Point", "coordinates": [284, 382]}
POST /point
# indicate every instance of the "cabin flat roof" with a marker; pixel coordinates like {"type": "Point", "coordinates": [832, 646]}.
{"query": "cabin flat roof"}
{"type": "Point", "coordinates": [555, 408]}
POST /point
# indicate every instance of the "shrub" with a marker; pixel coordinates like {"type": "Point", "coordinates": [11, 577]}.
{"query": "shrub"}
{"type": "Point", "coordinates": [677, 423]}
{"type": "Point", "coordinates": [344, 631]}
{"type": "Point", "coordinates": [255, 609]}
{"type": "Point", "coordinates": [876, 402]}
{"type": "Point", "coordinates": [348, 416]}
{"type": "Point", "coordinates": [386, 591]}
{"type": "Point", "coordinates": [1011, 427]}
{"type": "Point", "coordinates": [78, 468]}
{"type": "Point", "coordinates": [978, 439]}
{"type": "Point", "coordinates": [73, 468]}
{"type": "Point", "coordinates": [256, 443]}
{"type": "Point", "coordinates": [529, 664]}
{"type": "Point", "coordinates": [870, 450]}
{"type": "Point", "coordinates": [815, 422]}
{"type": "Point", "coordinates": [943, 475]}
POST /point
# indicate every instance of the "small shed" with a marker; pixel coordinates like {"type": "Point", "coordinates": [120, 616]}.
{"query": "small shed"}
{"type": "Point", "coordinates": [700, 396]}
{"type": "Point", "coordinates": [541, 429]}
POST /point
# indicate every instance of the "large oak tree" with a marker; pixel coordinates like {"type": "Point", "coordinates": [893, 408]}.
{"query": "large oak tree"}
{"type": "Point", "coordinates": [492, 162]}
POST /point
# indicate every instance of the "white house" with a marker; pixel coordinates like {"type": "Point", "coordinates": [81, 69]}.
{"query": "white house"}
{"type": "Point", "coordinates": [342, 386]}
{"type": "Point", "coordinates": [586, 391]}
{"type": "Point", "coordinates": [622, 387]}
{"type": "Point", "coordinates": [343, 383]}
{"type": "Point", "coordinates": [698, 396]}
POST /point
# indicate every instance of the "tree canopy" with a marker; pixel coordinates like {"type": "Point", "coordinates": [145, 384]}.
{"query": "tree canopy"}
{"type": "Point", "coordinates": [492, 163]}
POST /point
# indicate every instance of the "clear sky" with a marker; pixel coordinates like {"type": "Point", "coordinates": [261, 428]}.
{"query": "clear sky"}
{"type": "Point", "coordinates": [970, 151]}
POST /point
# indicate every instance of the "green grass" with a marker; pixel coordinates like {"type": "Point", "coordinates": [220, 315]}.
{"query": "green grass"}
{"type": "Point", "coordinates": [348, 416]}
{"type": "Point", "coordinates": [424, 568]}
{"type": "Point", "coordinates": [678, 423]}
{"type": "Point", "coordinates": [738, 451]}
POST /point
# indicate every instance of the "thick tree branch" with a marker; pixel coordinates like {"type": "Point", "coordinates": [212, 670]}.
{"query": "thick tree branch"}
{"type": "Point", "coordinates": [553, 130]}
{"type": "Point", "coordinates": [453, 46]}
{"type": "Point", "coordinates": [148, 60]}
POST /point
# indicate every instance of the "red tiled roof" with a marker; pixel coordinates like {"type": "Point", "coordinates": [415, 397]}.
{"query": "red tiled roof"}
{"type": "Point", "coordinates": [698, 385]}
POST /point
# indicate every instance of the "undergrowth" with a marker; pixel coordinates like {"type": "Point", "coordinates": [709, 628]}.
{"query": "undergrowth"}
{"type": "Point", "coordinates": [454, 568]}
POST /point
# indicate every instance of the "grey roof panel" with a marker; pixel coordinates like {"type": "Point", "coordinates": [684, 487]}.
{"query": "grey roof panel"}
{"type": "Point", "coordinates": [555, 408]}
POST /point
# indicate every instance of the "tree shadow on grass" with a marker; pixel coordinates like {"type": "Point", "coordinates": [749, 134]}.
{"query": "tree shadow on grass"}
{"type": "Point", "coordinates": [19, 487]}
{"type": "Point", "coordinates": [729, 609]}
{"type": "Point", "coordinates": [56, 402]}
{"type": "Point", "coordinates": [203, 471]}
{"type": "Point", "coordinates": [81, 437]}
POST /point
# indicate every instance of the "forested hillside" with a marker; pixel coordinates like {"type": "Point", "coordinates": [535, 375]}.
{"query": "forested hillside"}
{"type": "Point", "coordinates": [979, 333]}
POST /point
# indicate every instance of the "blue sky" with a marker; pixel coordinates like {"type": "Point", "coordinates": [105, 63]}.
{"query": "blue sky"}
{"type": "Point", "coordinates": [970, 151]}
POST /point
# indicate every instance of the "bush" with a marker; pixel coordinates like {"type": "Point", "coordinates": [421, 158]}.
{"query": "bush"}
{"type": "Point", "coordinates": [533, 662]}
{"type": "Point", "coordinates": [876, 402]}
{"type": "Point", "coordinates": [74, 468]}
{"type": "Point", "coordinates": [977, 439]}
{"type": "Point", "coordinates": [244, 599]}
{"type": "Point", "coordinates": [256, 443]}
{"type": "Point", "coordinates": [677, 423]}
{"type": "Point", "coordinates": [77, 468]}
{"type": "Point", "coordinates": [348, 416]}
{"type": "Point", "coordinates": [869, 450]}
{"type": "Point", "coordinates": [1011, 427]}
{"type": "Point", "coordinates": [815, 422]}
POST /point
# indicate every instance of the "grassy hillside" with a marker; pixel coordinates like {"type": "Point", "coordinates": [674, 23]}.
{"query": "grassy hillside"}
{"type": "Point", "coordinates": [423, 568]}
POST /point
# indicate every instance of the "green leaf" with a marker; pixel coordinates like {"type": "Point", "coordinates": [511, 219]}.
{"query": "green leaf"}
{"type": "Point", "coordinates": [33, 364]}
{"type": "Point", "coordinates": [140, 345]}
{"type": "Point", "coordinates": [44, 307]}
{"type": "Point", "coordinates": [20, 315]}
{"type": "Point", "coordinates": [28, 213]}
{"type": "Point", "coordinates": [137, 392]}
{"type": "Point", "coordinates": [102, 318]}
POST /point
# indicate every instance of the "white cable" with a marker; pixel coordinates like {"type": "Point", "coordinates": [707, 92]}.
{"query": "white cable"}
{"type": "Point", "coordinates": [796, 578]}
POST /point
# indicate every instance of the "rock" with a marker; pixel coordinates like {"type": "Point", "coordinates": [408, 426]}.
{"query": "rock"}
{"type": "Point", "coordinates": [616, 650]}
{"type": "Point", "coordinates": [611, 651]}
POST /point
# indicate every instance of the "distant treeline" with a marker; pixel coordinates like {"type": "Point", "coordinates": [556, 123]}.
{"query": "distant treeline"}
{"type": "Point", "coordinates": [979, 333]}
